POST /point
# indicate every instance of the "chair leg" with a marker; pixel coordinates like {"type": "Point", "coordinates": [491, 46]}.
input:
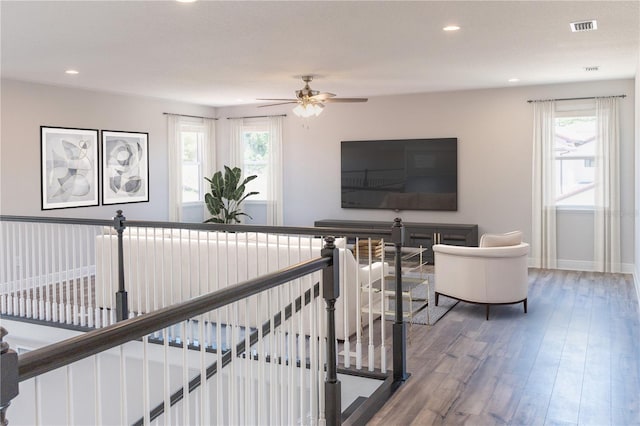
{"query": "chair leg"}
{"type": "Point", "coordinates": [525, 305]}
{"type": "Point", "coordinates": [487, 312]}
{"type": "Point", "coordinates": [437, 297]}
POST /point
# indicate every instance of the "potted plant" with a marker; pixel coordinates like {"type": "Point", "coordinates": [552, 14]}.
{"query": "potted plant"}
{"type": "Point", "coordinates": [226, 195]}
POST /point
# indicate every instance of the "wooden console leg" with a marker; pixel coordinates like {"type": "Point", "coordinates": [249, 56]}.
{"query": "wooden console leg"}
{"type": "Point", "coordinates": [487, 312]}
{"type": "Point", "coordinates": [525, 305]}
{"type": "Point", "coordinates": [437, 297]}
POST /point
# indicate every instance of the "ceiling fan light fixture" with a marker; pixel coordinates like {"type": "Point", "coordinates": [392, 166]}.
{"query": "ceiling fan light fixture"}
{"type": "Point", "coordinates": [309, 102]}
{"type": "Point", "coordinates": [308, 110]}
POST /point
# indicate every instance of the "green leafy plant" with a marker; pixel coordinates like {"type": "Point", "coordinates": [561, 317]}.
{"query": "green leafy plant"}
{"type": "Point", "coordinates": [226, 195]}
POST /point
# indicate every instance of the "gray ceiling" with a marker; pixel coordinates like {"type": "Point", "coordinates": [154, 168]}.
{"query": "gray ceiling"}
{"type": "Point", "coordinates": [216, 53]}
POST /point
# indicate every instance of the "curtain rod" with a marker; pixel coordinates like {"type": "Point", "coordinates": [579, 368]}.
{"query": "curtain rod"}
{"type": "Point", "coordinates": [577, 99]}
{"type": "Point", "coordinates": [258, 116]}
{"type": "Point", "coordinates": [190, 116]}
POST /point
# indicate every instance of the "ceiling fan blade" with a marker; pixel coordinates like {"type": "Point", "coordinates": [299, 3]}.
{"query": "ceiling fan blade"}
{"type": "Point", "coordinates": [346, 100]}
{"type": "Point", "coordinates": [278, 100]}
{"type": "Point", "coordinates": [279, 103]}
{"type": "Point", "coordinates": [322, 96]}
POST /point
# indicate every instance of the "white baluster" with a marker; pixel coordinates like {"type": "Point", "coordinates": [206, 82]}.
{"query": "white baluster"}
{"type": "Point", "coordinates": [383, 354]}
{"type": "Point", "coordinates": [166, 375]}
{"type": "Point", "coordinates": [69, 386]}
{"type": "Point", "coordinates": [98, 389]}
{"type": "Point", "coordinates": [371, 353]}
{"type": "Point", "coordinates": [123, 387]}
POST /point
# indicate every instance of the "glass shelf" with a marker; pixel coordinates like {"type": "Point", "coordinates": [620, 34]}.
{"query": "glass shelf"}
{"type": "Point", "coordinates": [415, 290]}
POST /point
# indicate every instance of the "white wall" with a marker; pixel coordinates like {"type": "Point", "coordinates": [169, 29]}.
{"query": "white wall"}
{"type": "Point", "coordinates": [27, 106]}
{"type": "Point", "coordinates": [494, 130]}
{"type": "Point", "coordinates": [637, 181]}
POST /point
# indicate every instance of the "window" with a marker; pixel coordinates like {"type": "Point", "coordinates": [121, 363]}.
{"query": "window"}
{"type": "Point", "coordinates": [575, 148]}
{"type": "Point", "coordinates": [192, 139]}
{"type": "Point", "coordinates": [576, 165]}
{"type": "Point", "coordinates": [191, 146]}
{"type": "Point", "coordinates": [256, 147]}
{"type": "Point", "coordinates": [255, 141]}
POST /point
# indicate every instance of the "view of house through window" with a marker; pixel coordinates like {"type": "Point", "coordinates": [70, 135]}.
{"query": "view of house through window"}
{"type": "Point", "coordinates": [575, 139]}
{"type": "Point", "coordinates": [256, 160]}
{"type": "Point", "coordinates": [192, 144]}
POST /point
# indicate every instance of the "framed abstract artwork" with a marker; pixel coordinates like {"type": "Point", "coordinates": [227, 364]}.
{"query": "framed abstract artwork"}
{"type": "Point", "coordinates": [125, 167]}
{"type": "Point", "coordinates": [69, 167]}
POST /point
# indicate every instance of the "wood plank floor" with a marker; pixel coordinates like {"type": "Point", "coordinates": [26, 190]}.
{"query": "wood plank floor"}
{"type": "Point", "coordinates": [573, 359]}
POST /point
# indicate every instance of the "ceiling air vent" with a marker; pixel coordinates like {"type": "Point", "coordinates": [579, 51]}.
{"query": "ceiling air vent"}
{"type": "Point", "coordinates": [591, 68]}
{"type": "Point", "coordinates": [581, 26]}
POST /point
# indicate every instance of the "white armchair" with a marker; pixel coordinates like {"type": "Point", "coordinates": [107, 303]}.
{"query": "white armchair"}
{"type": "Point", "coordinates": [493, 274]}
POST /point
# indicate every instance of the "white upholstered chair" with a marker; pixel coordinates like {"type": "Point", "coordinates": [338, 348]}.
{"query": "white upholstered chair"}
{"type": "Point", "coordinates": [493, 274]}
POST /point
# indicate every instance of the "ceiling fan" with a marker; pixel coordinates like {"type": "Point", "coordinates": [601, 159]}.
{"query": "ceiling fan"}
{"type": "Point", "coordinates": [310, 102]}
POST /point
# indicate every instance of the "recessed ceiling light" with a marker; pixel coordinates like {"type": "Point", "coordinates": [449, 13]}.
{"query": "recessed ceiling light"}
{"type": "Point", "coordinates": [186, 1]}
{"type": "Point", "coordinates": [513, 80]}
{"type": "Point", "coordinates": [239, 100]}
{"type": "Point", "coordinates": [451, 28]}
{"type": "Point", "coordinates": [72, 72]}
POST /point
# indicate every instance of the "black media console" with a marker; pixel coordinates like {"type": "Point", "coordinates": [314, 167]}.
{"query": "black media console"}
{"type": "Point", "coordinates": [417, 234]}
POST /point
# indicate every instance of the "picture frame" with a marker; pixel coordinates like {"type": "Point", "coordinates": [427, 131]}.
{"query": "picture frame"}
{"type": "Point", "coordinates": [125, 167]}
{"type": "Point", "coordinates": [69, 167]}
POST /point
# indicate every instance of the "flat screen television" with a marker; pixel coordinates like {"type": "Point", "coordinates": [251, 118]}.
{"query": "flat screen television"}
{"type": "Point", "coordinates": [405, 174]}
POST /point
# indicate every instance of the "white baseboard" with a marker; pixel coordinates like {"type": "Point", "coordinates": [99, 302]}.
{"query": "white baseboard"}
{"type": "Point", "coordinates": [585, 265]}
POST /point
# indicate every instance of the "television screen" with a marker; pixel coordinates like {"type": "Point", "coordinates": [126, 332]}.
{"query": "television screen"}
{"type": "Point", "coordinates": [407, 174]}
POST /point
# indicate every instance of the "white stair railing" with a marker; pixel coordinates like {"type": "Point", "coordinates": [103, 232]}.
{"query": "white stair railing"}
{"type": "Point", "coordinates": [243, 375]}
{"type": "Point", "coordinates": [68, 273]}
{"type": "Point", "coordinates": [47, 271]}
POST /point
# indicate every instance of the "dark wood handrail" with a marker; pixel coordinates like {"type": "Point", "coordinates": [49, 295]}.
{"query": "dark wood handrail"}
{"type": "Point", "coordinates": [60, 220]}
{"type": "Point", "coordinates": [57, 355]}
{"type": "Point", "coordinates": [295, 230]}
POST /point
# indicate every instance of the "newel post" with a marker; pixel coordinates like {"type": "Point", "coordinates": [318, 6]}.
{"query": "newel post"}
{"type": "Point", "coordinates": [399, 326]}
{"type": "Point", "coordinates": [331, 291]}
{"type": "Point", "coordinates": [122, 304]}
{"type": "Point", "coordinates": [8, 377]}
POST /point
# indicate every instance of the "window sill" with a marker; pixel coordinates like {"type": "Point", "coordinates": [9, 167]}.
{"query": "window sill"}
{"type": "Point", "coordinates": [575, 209]}
{"type": "Point", "coordinates": [193, 203]}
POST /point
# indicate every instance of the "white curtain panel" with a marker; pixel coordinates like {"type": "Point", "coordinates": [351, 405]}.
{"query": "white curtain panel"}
{"type": "Point", "coordinates": [236, 150]}
{"type": "Point", "coordinates": [275, 216]}
{"type": "Point", "coordinates": [209, 156]}
{"type": "Point", "coordinates": [543, 236]}
{"type": "Point", "coordinates": [175, 125]}
{"type": "Point", "coordinates": [174, 167]}
{"type": "Point", "coordinates": [607, 190]}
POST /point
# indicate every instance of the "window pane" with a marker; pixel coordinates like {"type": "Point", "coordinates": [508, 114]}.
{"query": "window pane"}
{"type": "Point", "coordinates": [191, 183]}
{"type": "Point", "coordinates": [192, 143]}
{"type": "Point", "coordinates": [189, 146]}
{"type": "Point", "coordinates": [259, 184]}
{"type": "Point", "coordinates": [574, 183]}
{"type": "Point", "coordinates": [575, 139]}
{"type": "Point", "coordinates": [256, 158]}
{"type": "Point", "coordinates": [256, 146]}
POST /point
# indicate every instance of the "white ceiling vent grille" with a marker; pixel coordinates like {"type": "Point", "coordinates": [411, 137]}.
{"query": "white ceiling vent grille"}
{"type": "Point", "coordinates": [581, 26]}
